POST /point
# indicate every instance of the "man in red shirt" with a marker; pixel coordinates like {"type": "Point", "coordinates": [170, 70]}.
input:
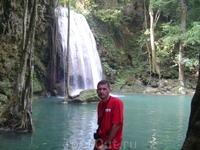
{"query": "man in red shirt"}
{"type": "Point", "coordinates": [110, 119]}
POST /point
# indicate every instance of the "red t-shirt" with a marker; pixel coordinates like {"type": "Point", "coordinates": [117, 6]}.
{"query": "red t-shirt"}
{"type": "Point", "coordinates": [112, 112]}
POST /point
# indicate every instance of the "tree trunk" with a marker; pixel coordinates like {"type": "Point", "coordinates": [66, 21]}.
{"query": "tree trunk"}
{"type": "Point", "coordinates": [153, 21]}
{"type": "Point", "coordinates": [68, 55]}
{"type": "Point", "coordinates": [52, 66]}
{"type": "Point", "coordinates": [181, 48]}
{"type": "Point", "coordinates": [192, 140]}
{"type": "Point", "coordinates": [146, 42]}
{"type": "Point", "coordinates": [53, 62]}
{"type": "Point", "coordinates": [152, 39]}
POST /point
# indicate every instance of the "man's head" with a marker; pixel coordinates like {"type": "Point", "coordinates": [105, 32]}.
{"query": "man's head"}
{"type": "Point", "coordinates": [103, 90]}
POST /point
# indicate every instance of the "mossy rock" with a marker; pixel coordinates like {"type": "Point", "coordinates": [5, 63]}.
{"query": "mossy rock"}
{"type": "Point", "coordinates": [3, 99]}
{"type": "Point", "coordinates": [86, 96]}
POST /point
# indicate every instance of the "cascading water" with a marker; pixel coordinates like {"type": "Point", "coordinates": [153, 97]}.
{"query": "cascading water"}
{"type": "Point", "coordinates": [84, 63]}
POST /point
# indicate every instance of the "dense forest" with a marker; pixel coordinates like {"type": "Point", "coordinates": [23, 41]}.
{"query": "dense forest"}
{"type": "Point", "coordinates": [158, 40]}
{"type": "Point", "coordinates": [149, 46]}
{"type": "Point", "coordinates": [144, 46]}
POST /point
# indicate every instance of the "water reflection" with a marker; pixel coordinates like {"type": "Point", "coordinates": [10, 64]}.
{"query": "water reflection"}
{"type": "Point", "coordinates": [153, 141]}
{"type": "Point", "coordinates": [81, 126]}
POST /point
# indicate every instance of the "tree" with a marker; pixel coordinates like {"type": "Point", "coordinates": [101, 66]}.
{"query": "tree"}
{"type": "Point", "coordinates": [178, 42]}
{"type": "Point", "coordinates": [155, 8]}
{"type": "Point", "coordinates": [19, 107]}
{"type": "Point", "coordinates": [181, 47]}
{"type": "Point", "coordinates": [192, 140]}
{"type": "Point", "coordinates": [153, 21]}
{"type": "Point", "coordinates": [146, 42]}
{"type": "Point", "coordinates": [68, 53]}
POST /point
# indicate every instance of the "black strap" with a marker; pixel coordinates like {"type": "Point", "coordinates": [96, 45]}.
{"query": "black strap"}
{"type": "Point", "coordinates": [103, 113]}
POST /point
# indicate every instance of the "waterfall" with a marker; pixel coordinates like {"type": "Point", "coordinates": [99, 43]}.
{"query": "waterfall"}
{"type": "Point", "coordinates": [84, 63]}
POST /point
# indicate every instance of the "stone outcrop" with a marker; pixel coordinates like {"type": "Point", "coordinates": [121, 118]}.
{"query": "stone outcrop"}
{"type": "Point", "coordinates": [86, 96]}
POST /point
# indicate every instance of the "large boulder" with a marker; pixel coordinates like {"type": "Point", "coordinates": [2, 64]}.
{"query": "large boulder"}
{"type": "Point", "coordinates": [86, 96]}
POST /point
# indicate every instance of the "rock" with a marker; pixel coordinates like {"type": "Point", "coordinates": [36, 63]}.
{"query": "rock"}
{"type": "Point", "coordinates": [182, 90]}
{"type": "Point", "coordinates": [60, 90]}
{"type": "Point", "coordinates": [85, 97]}
{"type": "Point", "coordinates": [151, 90]}
{"type": "Point", "coordinates": [3, 99]}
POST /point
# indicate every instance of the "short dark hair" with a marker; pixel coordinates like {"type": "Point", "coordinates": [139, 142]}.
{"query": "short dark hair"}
{"type": "Point", "coordinates": [104, 82]}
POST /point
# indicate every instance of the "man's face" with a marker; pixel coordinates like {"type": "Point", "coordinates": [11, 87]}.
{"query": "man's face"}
{"type": "Point", "coordinates": [103, 91]}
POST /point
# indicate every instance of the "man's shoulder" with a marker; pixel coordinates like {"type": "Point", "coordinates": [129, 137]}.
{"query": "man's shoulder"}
{"type": "Point", "coordinates": [115, 99]}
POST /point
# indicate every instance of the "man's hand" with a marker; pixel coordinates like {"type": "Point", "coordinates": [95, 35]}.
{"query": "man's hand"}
{"type": "Point", "coordinates": [102, 147]}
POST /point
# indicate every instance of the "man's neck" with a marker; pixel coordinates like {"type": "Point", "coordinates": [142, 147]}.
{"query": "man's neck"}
{"type": "Point", "coordinates": [106, 99]}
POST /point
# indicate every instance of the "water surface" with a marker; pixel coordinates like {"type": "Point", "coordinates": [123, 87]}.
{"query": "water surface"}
{"type": "Point", "coordinates": [151, 122]}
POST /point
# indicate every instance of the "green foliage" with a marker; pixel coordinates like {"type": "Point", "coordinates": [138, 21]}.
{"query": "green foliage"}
{"type": "Point", "coordinates": [72, 2]}
{"type": "Point", "coordinates": [160, 4]}
{"type": "Point", "coordinates": [120, 81]}
{"type": "Point", "coordinates": [109, 16]}
{"type": "Point", "coordinates": [108, 44]}
{"type": "Point", "coordinates": [90, 5]}
{"type": "Point", "coordinates": [40, 69]}
{"type": "Point", "coordinates": [6, 87]}
{"type": "Point", "coordinates": [170, 36]}
{"type": "Point", "coordinates": [127, 75]}
{"type": "Point", "coordinates": [193, 10]}
{"type": "Point", "coordinates": [192, 36]}
{"type": "Point", "coordinates": [106, 40]}
{"type": "Point", "coordinates": [126, 18]}
{"type": "Point", "coordinates": [37, 86]}
{"type": "Point", "coordinates": [108, 70]}
{"type": "Point", "coordinates": [190, 63]}
{"type": "Point", "coordinates": [39, 73]}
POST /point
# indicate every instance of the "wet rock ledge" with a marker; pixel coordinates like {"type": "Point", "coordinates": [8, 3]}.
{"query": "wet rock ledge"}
{"type": "Point", "coordinates": [86, 96]}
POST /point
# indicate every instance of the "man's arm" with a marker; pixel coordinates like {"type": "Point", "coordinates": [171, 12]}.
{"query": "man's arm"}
{"type": "Point", "coordinates": [111, 136]}
{"type": "Point", "coordinates": [113, 132]}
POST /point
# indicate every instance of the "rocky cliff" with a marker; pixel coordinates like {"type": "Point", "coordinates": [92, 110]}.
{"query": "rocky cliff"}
{"type": "Point", "coordinates": [11, 28]}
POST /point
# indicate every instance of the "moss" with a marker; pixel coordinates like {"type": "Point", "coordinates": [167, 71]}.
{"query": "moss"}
{"type": "Point", "coordinates": [3, 99]}
{"type": "Point", "coordinates": [86, 96]}
{"type": "Point", "coordinates": [37, 86]}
